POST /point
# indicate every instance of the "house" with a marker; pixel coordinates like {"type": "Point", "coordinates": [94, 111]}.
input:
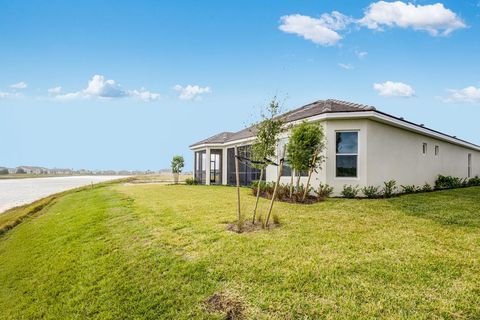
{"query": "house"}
{"type": "Point", "coordinates": [31, 170]}
{"type": "Point", "coordinates": [364, 147]}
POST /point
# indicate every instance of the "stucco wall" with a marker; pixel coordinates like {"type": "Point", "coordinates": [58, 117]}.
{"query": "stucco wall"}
{"type": "Point", "coordinates": [394, 153]}
{"type": "Point", "coordinates": [386, 152]}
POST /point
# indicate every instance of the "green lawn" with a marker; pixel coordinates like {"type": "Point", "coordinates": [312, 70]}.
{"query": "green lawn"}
{"type": "Point", "coordinates": [160, 251]}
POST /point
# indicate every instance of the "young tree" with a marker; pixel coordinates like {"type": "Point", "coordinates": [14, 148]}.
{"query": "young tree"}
{"type": "Point", "coordinates": [177, 165]}
{"type": "Point", "coordinates": [305, 150]}
{"type": "Point", "coordinates": [267, 132]}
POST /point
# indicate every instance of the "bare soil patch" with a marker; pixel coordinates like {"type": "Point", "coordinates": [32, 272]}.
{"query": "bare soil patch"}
{"type": "Point", "coordinates": [227, 303]}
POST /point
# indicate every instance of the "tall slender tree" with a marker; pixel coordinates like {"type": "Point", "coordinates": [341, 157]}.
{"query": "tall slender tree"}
{"type": "Point", "coordinates": [267, 132]}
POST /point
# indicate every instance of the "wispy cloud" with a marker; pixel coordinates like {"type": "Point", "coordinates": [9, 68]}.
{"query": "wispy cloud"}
{"type": "Point", "coordinates": [19, 85]}
{"type": "Point", "coordinates": [55, 90]}
{"type": "Point", "coordinates": [100, 87]}
{"type": "Point", "coordinates": [345, 66]}
{"type": "Point", "coordinates": [394, 89]}
{"type": "Point", "coordinates": [469, 94]}
{"type": "Point", "coordinates": [191, 92]}
{"type": "Point", "coordinates": [361, 54]}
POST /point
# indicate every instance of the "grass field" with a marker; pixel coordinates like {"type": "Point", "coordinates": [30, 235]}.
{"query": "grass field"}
{"type": "Point", "coordinates": [161, 251]}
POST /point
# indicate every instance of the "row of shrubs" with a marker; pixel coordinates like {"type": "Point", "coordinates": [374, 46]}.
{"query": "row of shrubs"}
{"type": "Point", "coordinates": [390, 188]}
{"type": "Point", "coordinates": [283, 192]}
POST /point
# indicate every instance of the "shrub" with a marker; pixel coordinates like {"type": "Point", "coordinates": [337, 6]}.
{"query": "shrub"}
{"type": "Point", "coordinates": [389, 188]}
{"type": "Point", "coordinates": [427, 188]}
{"type": "Point", "coordinates": [192, 181]}
{"type": "Point", "coordinates": [349, 191]}
{"type": "Point", "coordinates": [448, 182]}
{"type": "Point", "coordinates": [372, 192]}
{"type": "Point", "coordinates": [323, 191]}
{"type": "Point", "coordinates": [474, 182]}
{"type": "Point", "coordinates": [410, 189]}
{"type": "Point", "coordinates": [283, 192]}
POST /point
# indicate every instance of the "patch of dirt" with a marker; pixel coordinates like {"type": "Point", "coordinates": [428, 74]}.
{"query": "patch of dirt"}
{"type": "Point", "coordinates": [226, 303]}
{"type": "Point", "coordinates": [248, 226]}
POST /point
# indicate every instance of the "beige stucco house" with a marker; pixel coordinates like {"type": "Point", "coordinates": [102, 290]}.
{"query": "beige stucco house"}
{"type": "Point", "coordinates": [364, 147]}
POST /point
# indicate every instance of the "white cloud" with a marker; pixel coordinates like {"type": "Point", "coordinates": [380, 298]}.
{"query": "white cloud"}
{"type": "Point", "coordinates": [345, 66]}
{"type": "Point", "coordinates": [4, 95]}
{"type": "Point", "coordinates": [361, 54]}
{"type": "Point", "coordinates": [469, 94]}
{"type": "Point", "coordinates": [321, 31]}
{"type": "Point", "coordinates": [394, 89]}
{"type": "Point", "coordinates": [99, 87]}
{"type": "Point", "coordinates": [433, 18]}
{"type": "Point", "coordinates": [191, 92]}
{"type": "Point", "coordinates": [55, 90]}
{"type": "Point", "coordinates": [145, 95]}
{"type": "Point", "coordinates": [20, 85]}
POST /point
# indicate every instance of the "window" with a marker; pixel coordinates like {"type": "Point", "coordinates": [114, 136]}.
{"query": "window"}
{"type": "Point", "coordinates": [469, 165]}
{"type": "Point", "coordinates": [346, 154]}
{"type": "Point", "coordinates": [424, 148]}
{"type": "Point", "coordinates": [437, 150]}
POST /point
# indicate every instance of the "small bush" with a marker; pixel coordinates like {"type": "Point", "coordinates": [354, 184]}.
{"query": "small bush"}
{"type": "Point", "coordinates": [389, 188]}
{"type": "Point", "coordinates": [349, 191]}
{"type": "Point", "coordinates": [372, 192]}
{"type": "Point", "coordinates": [427, 188]}
{"type": "Point", "coordinates": [410, 189]}
{"type": "Point", "coordinates": [192, 181]}
{"type": "Point", "coordinates": [323, 191]}
{"type": "Point", "coordinates": [474, 182]}
{"type": "Point", "coordinates": [448, 182]}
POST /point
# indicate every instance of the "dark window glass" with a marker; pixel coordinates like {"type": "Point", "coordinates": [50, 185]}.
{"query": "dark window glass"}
{"type": "Point", "coordinates": [286, 170]}
{"type": "Point", "coordinates": [346, 166]}
{"type": "Point", "coordinates": [347, 142]}
{"type": "Point", "coordinates": [247, 174]}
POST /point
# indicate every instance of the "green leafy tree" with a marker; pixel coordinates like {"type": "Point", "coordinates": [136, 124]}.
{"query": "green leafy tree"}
{"type": "Point", "coordinates": [267, 132]}
{"type": "Point", "coordinates": [305, 150]}
{"type": "Point", "coordinates": [3, 171]}
{"type": "Point", "coordinates": [177, 164]}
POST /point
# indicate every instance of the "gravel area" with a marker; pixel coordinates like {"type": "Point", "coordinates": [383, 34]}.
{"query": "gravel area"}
{"type": "Point", "coordinates": [16, 192]}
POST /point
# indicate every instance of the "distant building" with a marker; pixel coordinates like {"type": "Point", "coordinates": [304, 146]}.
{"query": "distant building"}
{"type": "Point", "coordinates": [31, 170]}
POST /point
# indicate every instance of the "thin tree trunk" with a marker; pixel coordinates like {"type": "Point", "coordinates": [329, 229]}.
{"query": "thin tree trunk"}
{"type": "Point", "coordinates": [298, 180]}
{"type": "Point", "coordinates": [292, 173]}
{"type": "Point", "coordinates": [305, 192]}
{"type": "Point", "coordinates": [279, 174]}
{"type": "Point", "coordinates": [238, 183]}
{"type": "Point", "coordinates": [258, 196]}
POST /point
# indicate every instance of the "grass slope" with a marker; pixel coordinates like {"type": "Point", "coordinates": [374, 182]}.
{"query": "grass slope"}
{"type": "Point", "coordinates": [159, 251]}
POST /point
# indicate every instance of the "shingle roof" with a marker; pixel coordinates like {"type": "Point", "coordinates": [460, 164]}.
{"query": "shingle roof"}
{"type": "Point", "coordinates": [309, 110]}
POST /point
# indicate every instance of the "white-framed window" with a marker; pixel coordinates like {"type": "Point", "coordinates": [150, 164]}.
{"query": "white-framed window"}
{"type": "Point", "coordinates": [437, 150]}
{"type": "Point", "coordinates": [469, 165]}
{"type": "Point", "coordinates": [424, 148]}
{"type": "Point", "coordinates": [346, 154]}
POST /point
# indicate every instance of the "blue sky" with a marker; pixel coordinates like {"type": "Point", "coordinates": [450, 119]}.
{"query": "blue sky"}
{"type": "Point", "coordinates": [128, 84]}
